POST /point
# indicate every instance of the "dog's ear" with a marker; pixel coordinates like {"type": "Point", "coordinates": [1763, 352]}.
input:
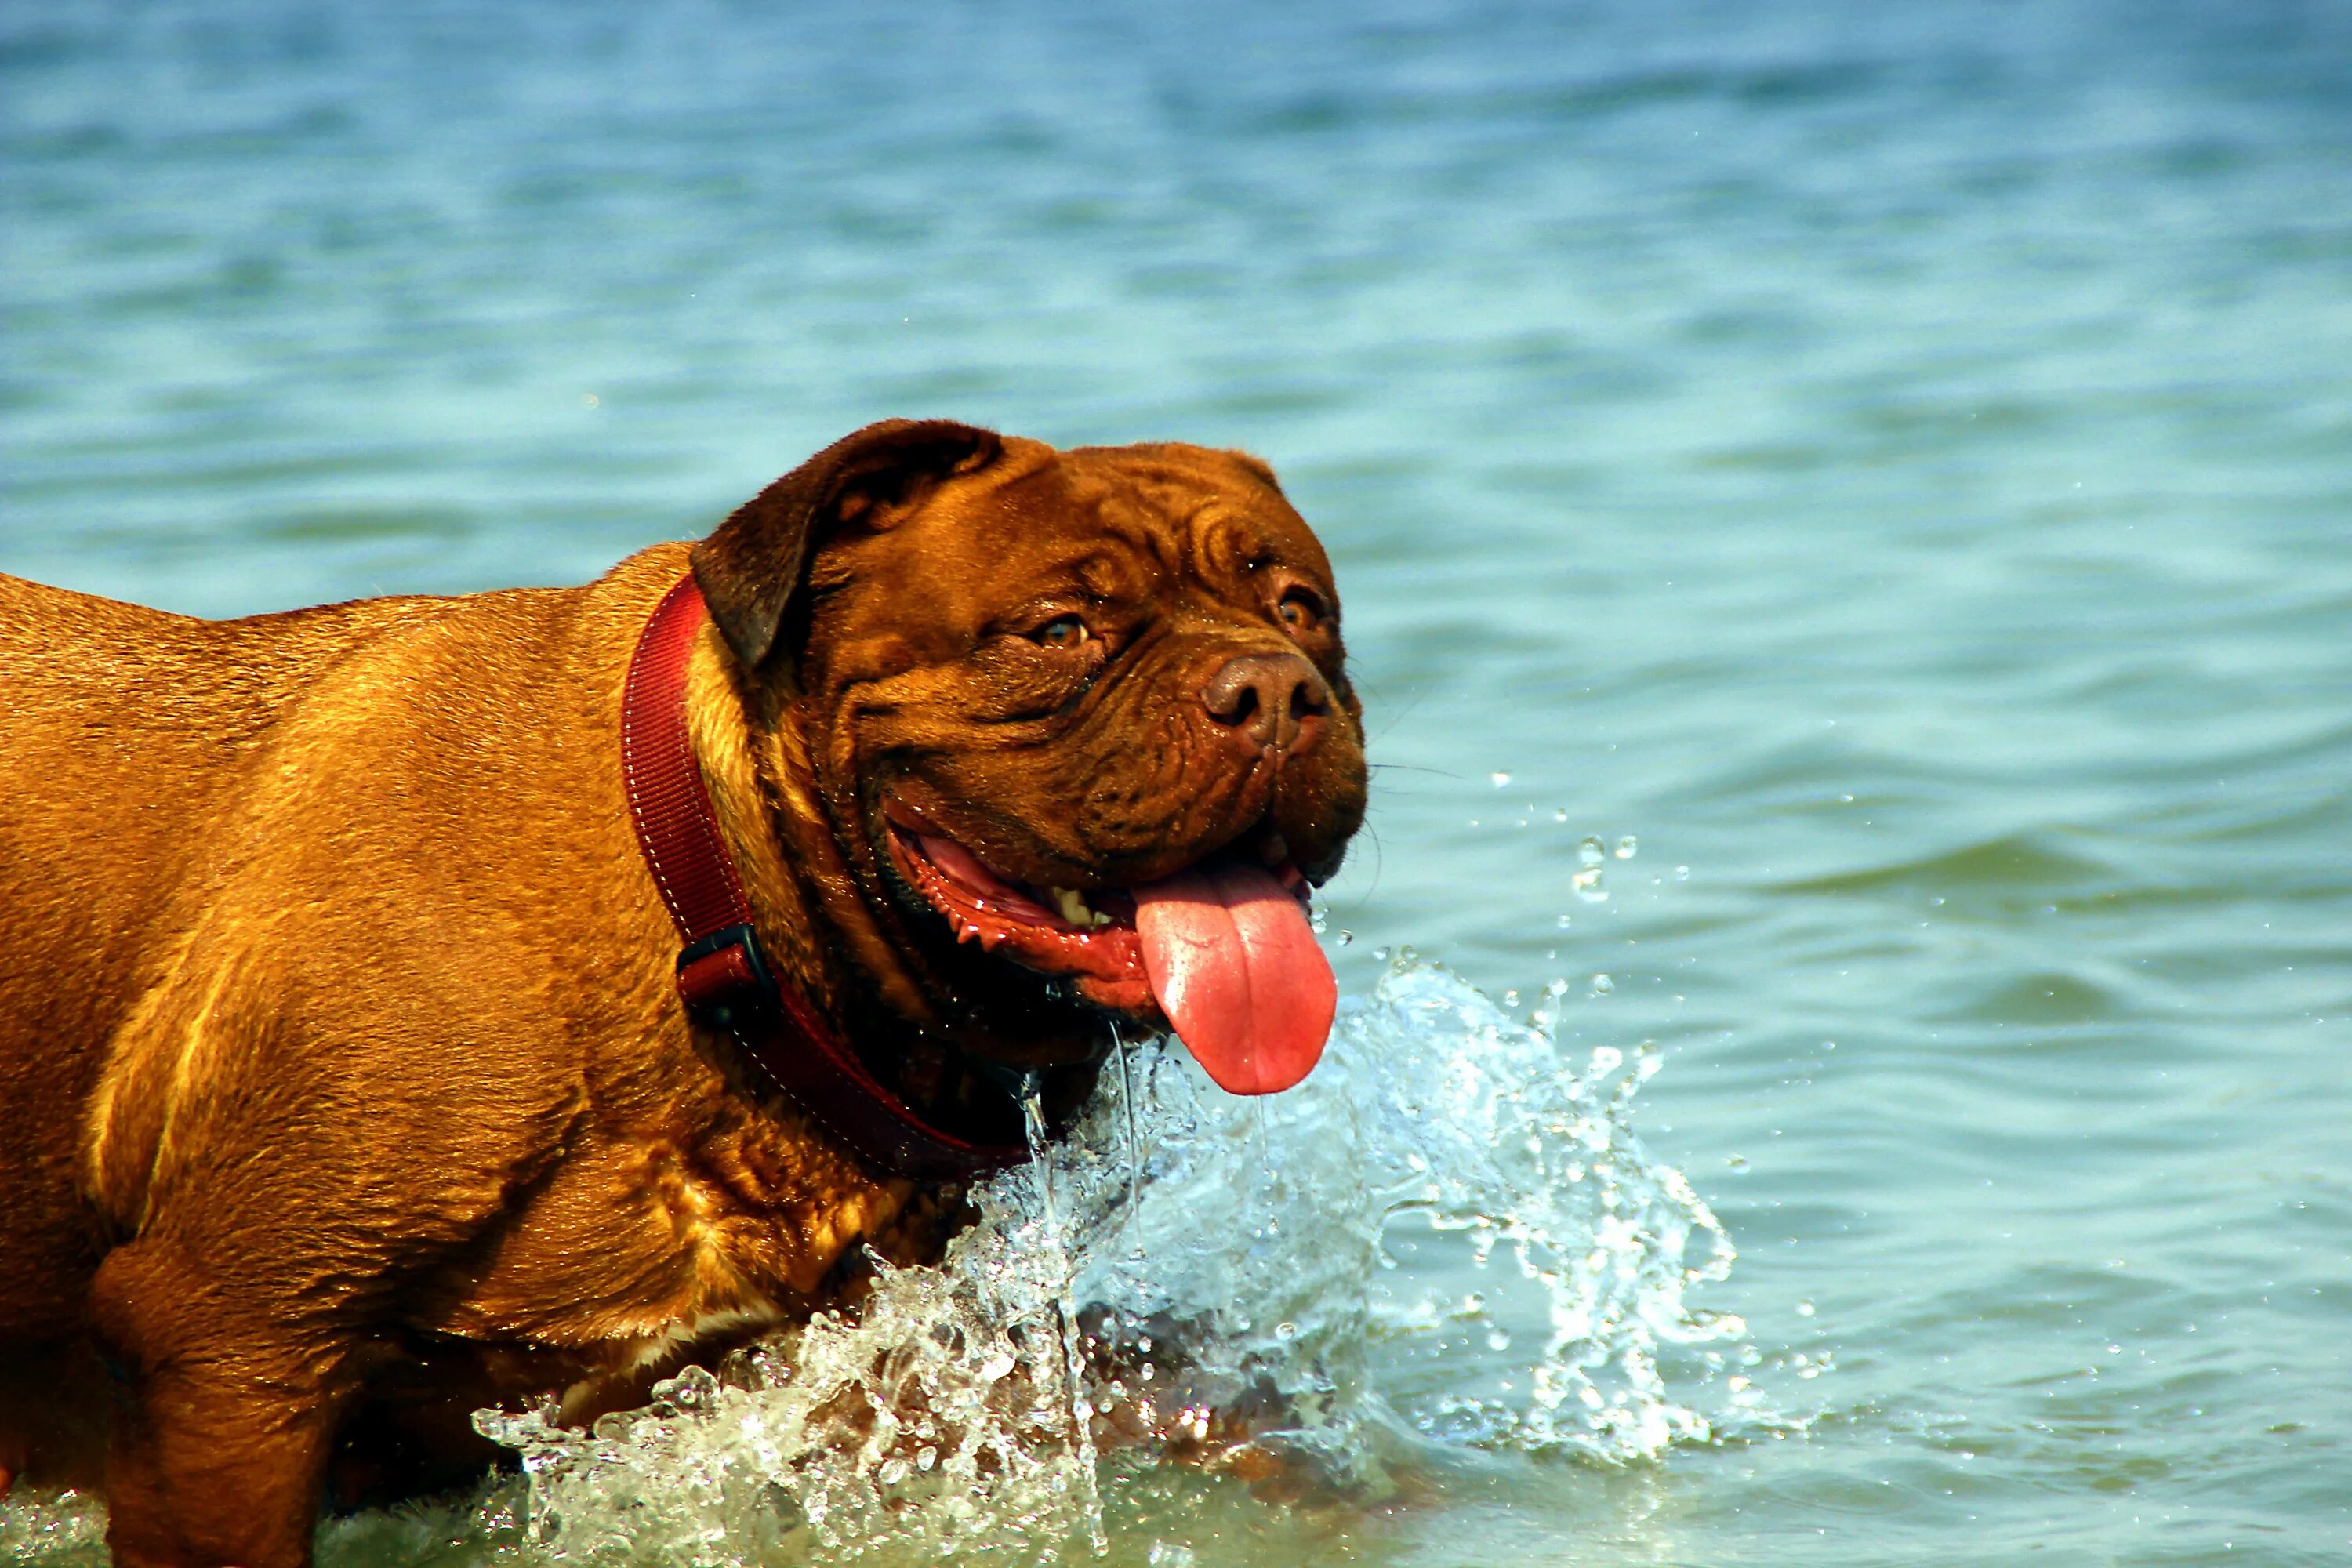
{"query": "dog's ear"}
{"type": "Point", "coordinates": [751, 568]}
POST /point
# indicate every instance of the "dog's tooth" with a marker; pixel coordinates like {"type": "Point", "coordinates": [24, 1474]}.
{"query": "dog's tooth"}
{"type": "Point", "coordinates": [1073, 906]}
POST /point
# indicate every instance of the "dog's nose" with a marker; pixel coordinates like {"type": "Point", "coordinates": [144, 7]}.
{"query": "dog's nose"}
{"type": "Point", "coordinates": [1268, 700]}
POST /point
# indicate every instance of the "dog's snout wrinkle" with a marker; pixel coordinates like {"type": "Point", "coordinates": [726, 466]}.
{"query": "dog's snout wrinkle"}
{"type": "Point", "coordinates": [1268, 701]}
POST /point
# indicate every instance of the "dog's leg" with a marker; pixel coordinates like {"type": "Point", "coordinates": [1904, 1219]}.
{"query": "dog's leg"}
{"type": "Point", "coordinates": [222, 1425]}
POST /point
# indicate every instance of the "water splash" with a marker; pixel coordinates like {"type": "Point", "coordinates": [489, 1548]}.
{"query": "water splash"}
{"type": "Point", "coordinates": [61, 1527]}
{"type": "Point", "coordinates": [1189, 1275]}
{"type": "Point", "coordinates": [947, 1417]}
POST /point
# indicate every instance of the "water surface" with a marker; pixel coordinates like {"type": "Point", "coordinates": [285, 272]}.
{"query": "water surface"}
{"type": "Point", "coordinates": [1885, 470]}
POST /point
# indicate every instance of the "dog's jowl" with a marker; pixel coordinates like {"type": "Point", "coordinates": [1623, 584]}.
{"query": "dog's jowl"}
{"type": "Point", "coordinates": [418, 1003]}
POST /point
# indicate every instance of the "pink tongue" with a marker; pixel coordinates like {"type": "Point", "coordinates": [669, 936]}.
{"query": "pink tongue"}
{"type": "Point", "coordinates": [1237, 970]}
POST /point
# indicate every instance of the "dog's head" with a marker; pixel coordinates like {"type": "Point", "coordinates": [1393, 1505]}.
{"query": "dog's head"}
{"type": "Point", "coordinates": [1081, 721]}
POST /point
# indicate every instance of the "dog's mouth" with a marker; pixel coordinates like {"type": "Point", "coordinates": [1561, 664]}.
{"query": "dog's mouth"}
{"type": "Point", "coordinates": [1222, 950]}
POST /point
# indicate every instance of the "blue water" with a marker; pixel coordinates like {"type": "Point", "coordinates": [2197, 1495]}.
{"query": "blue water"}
{"type": "Point", "coordinates": [1886, 468]}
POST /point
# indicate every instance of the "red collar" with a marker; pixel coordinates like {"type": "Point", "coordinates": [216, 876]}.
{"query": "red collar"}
{"type": "Point", "coordinates": [721, 973]}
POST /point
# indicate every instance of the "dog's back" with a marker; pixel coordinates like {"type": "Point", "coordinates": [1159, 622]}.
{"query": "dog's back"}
{"type": "Point", "coordinates": [258, 878]}
{"type": "Point", "coordinates": [124, 731]}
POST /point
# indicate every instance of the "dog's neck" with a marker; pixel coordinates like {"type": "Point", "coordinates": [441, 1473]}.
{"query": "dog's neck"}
{"type": "Point", "coordinates": [820, 934]}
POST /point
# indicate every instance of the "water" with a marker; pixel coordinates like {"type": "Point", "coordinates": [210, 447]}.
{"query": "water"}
{"type": "Point", "coordinates": [1888, 470]}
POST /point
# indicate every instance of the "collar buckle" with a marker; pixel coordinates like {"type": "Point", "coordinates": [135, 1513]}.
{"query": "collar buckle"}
{"type": "Point", "coordinates": [725, 980]}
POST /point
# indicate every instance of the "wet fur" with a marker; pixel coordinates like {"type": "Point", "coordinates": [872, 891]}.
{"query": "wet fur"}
{"type": "Point", "coordinates": [343, 1088]}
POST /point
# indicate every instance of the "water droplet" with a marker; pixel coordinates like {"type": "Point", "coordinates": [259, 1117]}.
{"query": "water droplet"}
{"type": "Point", "coordinates": [1563, 922]}
{"type": "Point", "coordinates": [1500, 779]}
{"type": "Point", "coordinates": [1626, 847]}
{"type": "Point", "coordinates": [1344, 938]}
{"type": "Point", "coordinates": [1603, 986]}
{"type": "Point", "coordinates": [1588, 851]}
{"type": "Point", "coordinates": [1559, 814]}
{"type": "Point", "coordinates": [1316, 919]}
{"type": "Point", "coordinates": [1804, 1309]}
{"type": "Point", "coordinates": [1510, 998]}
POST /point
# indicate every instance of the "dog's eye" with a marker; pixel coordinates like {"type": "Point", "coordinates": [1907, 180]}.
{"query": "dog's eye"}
{"type": "Point", "coordinates": [1062, 631]}
{"type": "Point", "coordinates": [1300, 610]}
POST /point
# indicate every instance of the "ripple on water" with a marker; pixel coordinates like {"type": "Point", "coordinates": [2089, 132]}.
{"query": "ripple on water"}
{"type": "Point", "coordinates": [1992, 872]}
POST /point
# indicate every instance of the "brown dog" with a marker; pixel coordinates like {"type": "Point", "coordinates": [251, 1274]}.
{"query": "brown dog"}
{"type": "Point", "coordinates": [344, 1086]}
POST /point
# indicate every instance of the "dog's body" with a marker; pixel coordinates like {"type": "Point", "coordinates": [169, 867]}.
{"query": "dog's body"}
{"type": "Point", "coordinates": [343, 1087]}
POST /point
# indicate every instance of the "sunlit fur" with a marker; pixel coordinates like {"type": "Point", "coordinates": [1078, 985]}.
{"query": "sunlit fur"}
{"type": "Point", "coordinates": [1094, 768]}
{"type": "Point", "coordinates": [343, 1087]}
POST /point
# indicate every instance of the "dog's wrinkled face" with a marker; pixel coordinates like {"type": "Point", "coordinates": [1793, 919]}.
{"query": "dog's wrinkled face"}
{"type": "Point", "coordinates": [1082, 721]}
